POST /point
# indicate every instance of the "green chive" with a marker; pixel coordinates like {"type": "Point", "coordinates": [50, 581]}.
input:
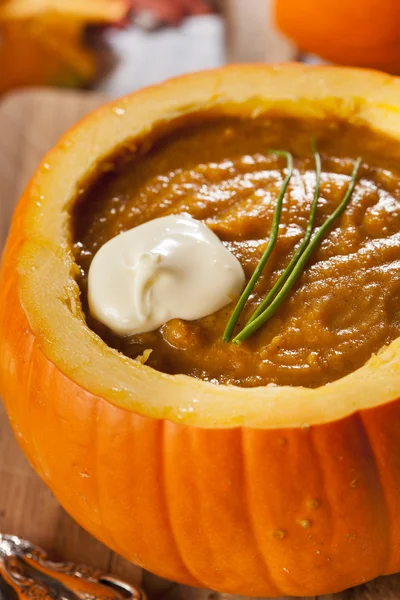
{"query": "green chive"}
{"type": "Point", "coordinates": [268, 251]}
{"type": "Point", "coordinates": [310, 226]}
{"type": "Point", "coordinates": [253, 326]}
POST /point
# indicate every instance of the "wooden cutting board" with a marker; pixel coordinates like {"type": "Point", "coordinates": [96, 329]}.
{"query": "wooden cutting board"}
{"type": "Point", "coordinates": [30, 123]}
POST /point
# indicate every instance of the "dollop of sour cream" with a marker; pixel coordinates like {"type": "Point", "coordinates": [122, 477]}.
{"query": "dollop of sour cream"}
{"type": "Point", "coordinates": [170, 267]}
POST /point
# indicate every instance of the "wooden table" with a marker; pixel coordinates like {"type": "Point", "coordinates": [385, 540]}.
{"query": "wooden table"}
{"type": "Point", "coordinates": [31, 122]}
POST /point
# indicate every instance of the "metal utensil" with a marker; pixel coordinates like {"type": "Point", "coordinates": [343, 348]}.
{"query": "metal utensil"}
{"type": "Point", "coordinates": [26, 573]}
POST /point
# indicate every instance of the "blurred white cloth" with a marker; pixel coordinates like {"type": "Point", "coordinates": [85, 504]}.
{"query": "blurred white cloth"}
{"type": "Point", "coordinates": [312, 59]}
{"type": "Point", "coordinates": [145, 58]}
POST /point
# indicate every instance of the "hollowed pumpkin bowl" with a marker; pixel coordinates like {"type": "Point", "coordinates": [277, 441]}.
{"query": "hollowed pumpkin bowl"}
{"type": "Point", "coordinates": [264, 491]}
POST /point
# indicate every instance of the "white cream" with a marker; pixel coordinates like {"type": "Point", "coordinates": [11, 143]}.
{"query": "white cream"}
{"type": "Point", "coordinates": [171, 267]}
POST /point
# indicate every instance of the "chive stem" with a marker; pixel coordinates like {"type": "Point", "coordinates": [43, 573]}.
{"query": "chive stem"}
{"type": "Point", "coordinates": [267, 252]}
{"type": "Point", "coordinates": [253, 326]}
{"type": "Point", "coordinates": [307, 236]}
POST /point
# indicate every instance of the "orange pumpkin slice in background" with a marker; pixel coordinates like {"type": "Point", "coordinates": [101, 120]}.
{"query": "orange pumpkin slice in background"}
{"type": "Point", "coordinates": [267, 491]}
{"type": "Point", "coordinates": [95, 11]}
{"type": "Point", "coordinates": [43, 43]}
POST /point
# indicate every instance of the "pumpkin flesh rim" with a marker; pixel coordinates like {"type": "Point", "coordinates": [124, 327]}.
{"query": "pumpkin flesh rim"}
{"type": "Point", "coordinates": [46, 267]}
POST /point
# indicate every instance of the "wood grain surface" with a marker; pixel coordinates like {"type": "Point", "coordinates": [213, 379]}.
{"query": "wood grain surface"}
{"type": "Point", "coordinates": [30, 123]}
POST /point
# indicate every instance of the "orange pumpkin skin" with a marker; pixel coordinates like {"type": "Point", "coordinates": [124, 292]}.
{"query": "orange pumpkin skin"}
{"type": "Point", "coordinates": [263, 505]}
{"type": "Point", "coordinates": [43, 43]}
{"type": "Point", "coordinates": [363, 34]}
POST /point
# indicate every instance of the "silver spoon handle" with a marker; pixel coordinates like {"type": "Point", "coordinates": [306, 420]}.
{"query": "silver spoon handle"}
{"type": "Point", "coordinates": [26, 573]}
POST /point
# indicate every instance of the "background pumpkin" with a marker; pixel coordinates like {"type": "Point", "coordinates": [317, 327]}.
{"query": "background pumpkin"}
{"type": "Point", "coordinates": [43, 42]}
{"type": "Point", "coordinates": [347, 32]}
